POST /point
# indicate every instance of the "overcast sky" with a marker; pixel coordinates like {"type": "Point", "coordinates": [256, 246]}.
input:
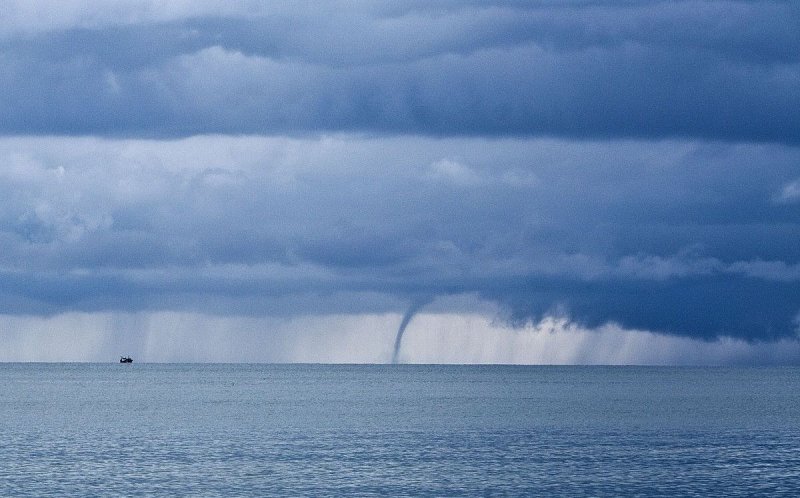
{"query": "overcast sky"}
{"type": "Point", "coordinates": [548, 182]}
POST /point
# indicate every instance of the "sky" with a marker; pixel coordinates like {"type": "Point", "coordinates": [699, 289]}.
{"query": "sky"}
{"type": "Point", "coordinates": [522, 181]}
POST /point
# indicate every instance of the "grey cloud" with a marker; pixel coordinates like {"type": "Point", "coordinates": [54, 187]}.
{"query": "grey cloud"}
{"type": "Point", "coordinates": [679, 236]}
{"type": "Point", "coordinates": [721, 70]}
{"type": "Point", "coordinates": [25, 18]}
{"type": "Point", "coordinates": [352, 33]}
{"type": "Point", "coordinates": [768, 270]}
{"type": "Point", "coordinates": [790, 193]}
{"type": "Point", "coordinates": [699, 307]}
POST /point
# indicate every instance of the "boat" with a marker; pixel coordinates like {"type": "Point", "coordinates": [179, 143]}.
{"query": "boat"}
{"type": "Point", "coordinates": [125, 359]}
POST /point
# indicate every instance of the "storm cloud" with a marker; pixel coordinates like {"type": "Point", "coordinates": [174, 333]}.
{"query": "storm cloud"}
{"type": "Point", "coordinates": [679, 237]}
{"type": "Point", "coordinates": [712, 70]}
{"type": "Point", "coordinates": [627, 167]}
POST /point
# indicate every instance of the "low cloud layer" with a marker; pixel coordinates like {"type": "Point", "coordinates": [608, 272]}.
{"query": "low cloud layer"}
{"type": "Point", "coordinates": [678, 237]}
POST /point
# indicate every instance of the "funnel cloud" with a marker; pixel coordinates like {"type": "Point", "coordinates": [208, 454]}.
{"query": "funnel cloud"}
{"type": "Point", "coordinates": [412, 310]}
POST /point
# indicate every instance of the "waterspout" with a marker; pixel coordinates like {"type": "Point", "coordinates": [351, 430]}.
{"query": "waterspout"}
{"type": "Point", "coordinates": [412, 310]}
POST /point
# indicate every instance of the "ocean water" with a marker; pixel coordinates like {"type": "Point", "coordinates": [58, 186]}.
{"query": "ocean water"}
{"type": "Point", "coordinates": [323, 430]}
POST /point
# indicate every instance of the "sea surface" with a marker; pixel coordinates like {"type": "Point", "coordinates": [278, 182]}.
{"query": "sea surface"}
{"type": "Point", "coordinates": [403, 430]}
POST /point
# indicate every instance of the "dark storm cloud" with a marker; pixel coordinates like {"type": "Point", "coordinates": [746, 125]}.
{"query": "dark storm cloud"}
{"type": "Point", "coordinates": [423, 164]}
{"type": "Point", "coordinates": [718, 70]}
{"type": "Point", "coordinates": [683, 237]}
{"type": "Point", "coordinates": [698, 306]}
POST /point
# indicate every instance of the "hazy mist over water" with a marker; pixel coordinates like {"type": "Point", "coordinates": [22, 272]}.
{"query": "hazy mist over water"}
{"type": "Point", "coordinates": [429, 337]}
{"type": "Point", "coordinates": [398, 430]}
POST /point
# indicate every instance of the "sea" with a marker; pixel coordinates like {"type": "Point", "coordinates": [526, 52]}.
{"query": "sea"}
{"type": "Point", "coordinates": [397, 430]}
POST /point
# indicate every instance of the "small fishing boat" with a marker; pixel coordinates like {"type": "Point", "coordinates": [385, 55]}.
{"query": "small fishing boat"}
{"type": "Point", "coordinates": [125, 359]}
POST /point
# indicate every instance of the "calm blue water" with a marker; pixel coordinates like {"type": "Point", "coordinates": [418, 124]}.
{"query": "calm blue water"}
{"type": "Point", "coordinates": [312, 430]}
